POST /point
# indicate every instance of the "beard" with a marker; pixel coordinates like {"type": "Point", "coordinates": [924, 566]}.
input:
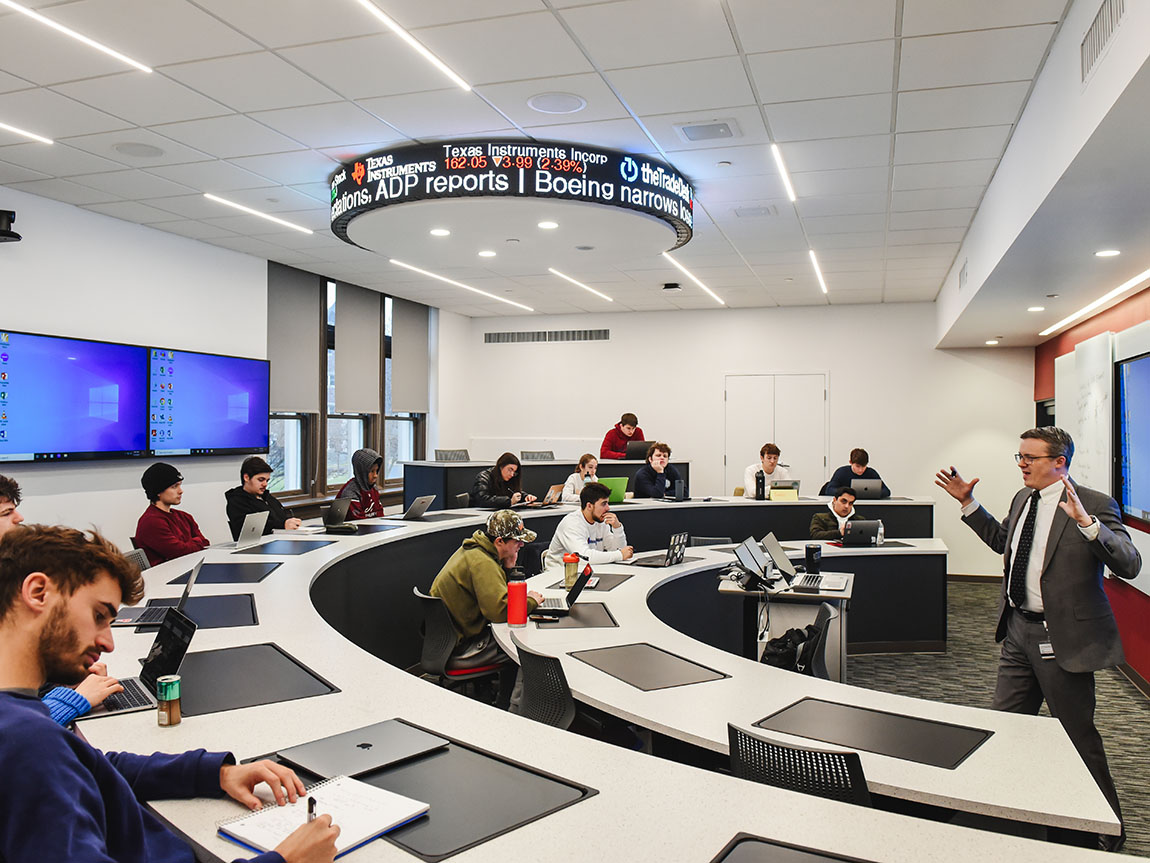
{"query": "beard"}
{"type": "Point", "coordinates": [59, 649]}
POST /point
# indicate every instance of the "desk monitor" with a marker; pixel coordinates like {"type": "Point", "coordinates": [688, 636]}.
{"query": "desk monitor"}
{"type": "Point", "coordinates": [637, 449]}
{"type": "Point", "coordinates": [867, 489]}
{"type": "Point", "coordinates": [779, 556]}
{"type": "Point", "coordinates": [618, 487]}
{"type": "Point", "coordinates": [751, 559]}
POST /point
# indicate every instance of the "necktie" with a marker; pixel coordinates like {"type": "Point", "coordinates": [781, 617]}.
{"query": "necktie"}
{"type": "Point", "coordinates": [1022, 556]}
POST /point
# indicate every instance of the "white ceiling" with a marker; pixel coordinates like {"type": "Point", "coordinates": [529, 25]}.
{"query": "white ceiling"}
{"type": "Point", "coordinates": [892, 115]}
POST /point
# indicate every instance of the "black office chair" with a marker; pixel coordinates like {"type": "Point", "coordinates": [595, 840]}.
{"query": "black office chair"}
{"type": "Point", "coordinates": [439, 640]}
{"type": "Point", "coordinates": [546, 696]}
{"type": "Point", "coordinates": [834, 775]}
{"type": "Point", "coordinates": [452, 455]}
{"type": "Point", "coordinates": [812, 658]}
{"type": "Point", "coordinates": [536, 455]}
{"type": "Point", "coordinates": [139, 557]}
{"type": "Point", "coordinates": [460, 500]}
{"type": "Point", "coordinates": [531, 557]}
{"type": "Point", "coordinates": [696, 541]}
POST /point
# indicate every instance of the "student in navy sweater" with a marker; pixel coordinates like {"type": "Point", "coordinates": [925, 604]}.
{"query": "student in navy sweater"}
{"type": "Point", "coordinates": [657, 478]}
{"type": "Point", "coordinates": [857, 469]}
{"type": "Point", "coordinates": [62, 799]}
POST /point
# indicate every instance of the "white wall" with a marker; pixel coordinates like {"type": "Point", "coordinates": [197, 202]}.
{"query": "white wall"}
{"type": "Point", "coordinates": [912, 407]}
{"type": "Point", "coordinates": [82, 274]}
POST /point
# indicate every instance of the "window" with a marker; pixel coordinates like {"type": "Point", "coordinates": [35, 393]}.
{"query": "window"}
{"type": "Point", "coordinates": [402, 432]}
{"type": "Point", "coordinates": [285, 452]}
{"type": "Point", "coordinates": [345, 432]}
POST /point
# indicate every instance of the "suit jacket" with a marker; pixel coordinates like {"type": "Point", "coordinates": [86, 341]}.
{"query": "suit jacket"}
{"type": "Point", "coordinates": [1078, 615]}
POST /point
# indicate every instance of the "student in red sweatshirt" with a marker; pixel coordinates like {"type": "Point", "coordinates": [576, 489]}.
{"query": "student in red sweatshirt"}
{"type": "Point", "coordinates": [163, 532]}
{"type": "Point", "coordinates": [615, 441]}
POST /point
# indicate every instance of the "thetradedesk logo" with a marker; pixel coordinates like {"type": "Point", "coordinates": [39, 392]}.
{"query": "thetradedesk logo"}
{"type": "Point", "coordinates": [628, 169]}
{"type": "Point", "coordinates": [358, 173]}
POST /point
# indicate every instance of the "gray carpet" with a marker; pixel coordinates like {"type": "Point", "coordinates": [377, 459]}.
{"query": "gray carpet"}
{"type": "Point", "coordinates": [965, 675]}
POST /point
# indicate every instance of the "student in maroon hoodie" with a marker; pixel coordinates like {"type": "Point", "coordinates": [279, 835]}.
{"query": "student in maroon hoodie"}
{"type": "Point", "coordinates": [163, 532]}
{"type": "Point", "coordinates": [615, 441]}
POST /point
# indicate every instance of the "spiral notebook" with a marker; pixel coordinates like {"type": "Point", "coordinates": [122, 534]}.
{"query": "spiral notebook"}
{"type": "Point", "coordinates": [361, 811]}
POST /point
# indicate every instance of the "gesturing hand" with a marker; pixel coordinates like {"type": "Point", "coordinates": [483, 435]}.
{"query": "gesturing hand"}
{"type": "Point", "coordinates": [1073, 507]}
{"type": "Point", "coordinates": [238, 781]}
{"type": "Point", "coordinates": [950, 481]}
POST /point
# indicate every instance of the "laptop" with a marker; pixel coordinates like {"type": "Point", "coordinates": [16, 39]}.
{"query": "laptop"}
{"type": "Point", "coordinates": [165, 657]}
{"type": "Point", "coordinates": [417, 509]}
{"type": "Point", "coordinates": [803, 583]}
{"type": "Point", "coordinates": [754, 563]}
{"type": "Point", "coordinates": [860, 533]}
{"type": "Point", "coordinates": [362, 749]}
{"type": "Point", "coordinates": [784, 489]}
{"type": "Point", "coordinates": [562, 607]}
{"type": "Point", "coordinates": [637, 449]}
{"type": "Point", "coordinates": [552, 498]}
{"type": "Point", "coordinates": [335, 516]}
{"type": "Point", "coordinates": [867, 489]}
{"type": "Point", "coordinates": [673, 556]}
{"type": "Point", "coordinates": [618, 486]}
{"type": "Point", "coordinates": [252, 531]}
{"type": "Point", "coordinates": [152, 614]}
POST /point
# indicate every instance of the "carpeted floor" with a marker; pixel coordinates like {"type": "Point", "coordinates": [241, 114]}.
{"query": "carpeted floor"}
{"type": "Point", "coordinates": [965, 675]}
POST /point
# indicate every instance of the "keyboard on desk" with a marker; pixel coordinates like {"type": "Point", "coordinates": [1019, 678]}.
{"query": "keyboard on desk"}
{"type": "Point", "coordinates": [812, 583]}
{"type": "Point", "coordinates": [133, 695]}
{"type": "Point", "coordinates": [554, 604]}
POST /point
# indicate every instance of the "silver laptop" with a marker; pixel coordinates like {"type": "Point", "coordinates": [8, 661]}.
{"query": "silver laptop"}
{"type": "Point", "coordinates": [363, 749]}
{"type": "Point", "coordinates": [562, 606]}
{"type": "Point", "coordinates": [252, 531]}
{"type": "Point", "coordinates": [674, 555]}
{"type": "Point", "coordinates": [809, 582]}
{"type": "Point", "coordinates": [418, 508]}
{"type": "Point", "coordinates": [165, 657]}
{"type": "Point", "coordinates": [867, 489]}
{"type": "Point", "coordinates": [152, 614]}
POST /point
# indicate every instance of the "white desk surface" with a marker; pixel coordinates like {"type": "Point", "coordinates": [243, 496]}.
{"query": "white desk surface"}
{"type": "Point", "coordinates": [647, 808]}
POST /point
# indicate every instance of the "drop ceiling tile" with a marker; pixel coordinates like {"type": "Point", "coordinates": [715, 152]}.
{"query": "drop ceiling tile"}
{"type": "Point", "coordinates": [784, 24]}
{"type": "Point", "coordinates": [52, 115]}
{"type": "Point", "coordinates": [293, 22]}
{"type": "Point", "coordinates": [845, 224]}
{"type": "Point", "coordinates": [302, 166]}
{"type": "Point", "coordinates": [614, 134]}
{"type": "Point", "coordinates": [104, 145]}
{"type": "Point", "coordinates": [10, 173]}
{"type": "Point", "coordinates": [133, 185]}
{"type": "Point", "coordinates": [275, 199]}
{"type": "Point", "coordinates": [194, 230]}
{"type": "Point", "coordinates": [379, 64]}
{"type": "Point", "coordinates": [830, 118]}
{"type": "Point", "coordinates": [504, 49]}
{"type": "Point", "coordinates": [981, 105]}
{"type": "Point", "coordinates": [822, 73]}
{"type": "Point", "coordinates": [420, 13]}
{"type": "Point", "coordinates": [842, 205]}
{"type": "Point", "coordinates": [942, 175]}
{"type": "Point", "coordinates": [925, 235]}
{"type": "Point", "coordinates": [57, 160]}
{"type": "Point", "coordinates": [645, 32]}
{"type": "Point", "coordinates": [131, 211]}
{"type": "Point", "coordinates": [63, 190]}
{"type": "Point", "coordinates": [442, 112]}
{"type": "Point", "coordinates": [854, 298]}
{"type": "Point", "coordinates": [937, 265]}
{"type": "Point", "coordinates": [316, 191]}
{"type": "Point", "coordinates": [936, 199]}
{"type": "Point", "coordinates": [937, 250]}
{"type": "Point", "coordinates": [746, 122]}
{"type": "Point", "coordinates": [214, 176]}
{"type": "Point", "coordinates": [849, 181]}
{"type": "Point", "coordinates": [866, 239]}
{"type": "Point", "coordinates": [925, 294]}
{"type": "Point", "coordinates": [229, 137]}
{"type": "Point", "coordinates": [8, 83]}
{"type": "Point", "coordinates": [43, 56]}
{"type": "Point", "coordinates": [192, 207]}
{"type": "Point", "coordinates": [834, 153]}
{"type": "Point", "coordinates": [760, 187]}
{"type": "Point", "coordinates": [981, 142]}
{"type": "Point", "coordinates": [142, 99]}
{"type": "Point", "coordinates": [744, 161]}
{"type": "Point", "coordinates": [945, 61]}
{"type": "Point", "coordinates": [252, 82]}
{"type": "Point", "coordinates": [692, 85]}
{"type": "Point", "coordinates": [956, 218]}
{"type": "Point", "coordinates": [511, 98]}
{"type": "Point", "coordinates": [946, 16]}
{"type": "Point", "coordinates": [160, 31]}
{"type": "Point", "coordinates": [248, 246]}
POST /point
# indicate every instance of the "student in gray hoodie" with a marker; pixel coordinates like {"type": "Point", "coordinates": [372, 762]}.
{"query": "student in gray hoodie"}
{"type": "Point", "coordinates": [365, 467]}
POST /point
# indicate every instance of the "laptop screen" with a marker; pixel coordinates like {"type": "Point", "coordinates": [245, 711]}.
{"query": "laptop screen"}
{"type": "Point", "coordinates": [168, 649]}
{"type": "Point", "coordinates": [779, 556]}
{"type": "Point", "coordinates": [618, 486]}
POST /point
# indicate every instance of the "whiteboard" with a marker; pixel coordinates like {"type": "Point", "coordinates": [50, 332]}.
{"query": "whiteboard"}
{"type": "Point", "coordinates": [1093, 411]}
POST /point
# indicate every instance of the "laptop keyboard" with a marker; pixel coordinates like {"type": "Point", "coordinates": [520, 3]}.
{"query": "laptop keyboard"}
{"type": "Point", "coordinates": [132, 696]}
{"type": "Point", "coordinates": [153, 614]}
{"type": "Point", "coordinates": [560, 604]}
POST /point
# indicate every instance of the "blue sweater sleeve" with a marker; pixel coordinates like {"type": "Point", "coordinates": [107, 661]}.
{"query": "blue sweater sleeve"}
{"type": "Point", "coordinates": [160, 776]}
{"type": "Point", "coordinates": [65, 704]}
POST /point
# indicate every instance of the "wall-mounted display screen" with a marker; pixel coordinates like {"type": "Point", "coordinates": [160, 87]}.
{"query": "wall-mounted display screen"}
{"type": "Point", "coordinates": [206, 404]}
{"type": "Point", "coordinates": [1133, 424]}
{"type": "Point", "coordinates": [71, 399]}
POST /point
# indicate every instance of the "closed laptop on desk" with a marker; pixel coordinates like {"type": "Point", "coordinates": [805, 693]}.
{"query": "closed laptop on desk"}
{"type": "Point", "coordinates": [363, 749]}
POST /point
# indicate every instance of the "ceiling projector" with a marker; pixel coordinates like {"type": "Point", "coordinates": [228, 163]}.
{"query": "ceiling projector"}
{"type": "Point", "coordinates": [7, 235]}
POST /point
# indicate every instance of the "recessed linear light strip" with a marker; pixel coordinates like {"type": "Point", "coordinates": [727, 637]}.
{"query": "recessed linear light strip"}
{"type": "Point", "coordinates": [580, 284]}
{"type": "Point", "coordinates": [252, 212]}
{"type": "Point", "coordinates": [411, 40]}
{"type": "Point", "coordinates": [691, 276]}
{"type": "Point", "coordinates": [818, 271]}
{"type": "Point", "coordinates": [431, 275]}
{"type": "Point", "coordinates": [1105, 298]}
{"type": "Point", "coordinates": [783, 172]}
{"type": "Point", "coordinates": [92, 43]}
{"type": "Point", "coordinates": [27, 134]}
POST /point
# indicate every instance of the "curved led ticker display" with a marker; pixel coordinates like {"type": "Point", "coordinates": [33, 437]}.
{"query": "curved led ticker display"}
{"type": "Point", "coordinates": [511, 168]}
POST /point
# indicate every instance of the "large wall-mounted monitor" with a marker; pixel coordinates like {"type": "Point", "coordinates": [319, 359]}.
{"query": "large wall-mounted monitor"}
{"type": "Point", "coordinates": [71, 399]}
{"type": "Point", "coordinates": [206, 404]}
{"type": "Point", "coordinates": [1132, 478]}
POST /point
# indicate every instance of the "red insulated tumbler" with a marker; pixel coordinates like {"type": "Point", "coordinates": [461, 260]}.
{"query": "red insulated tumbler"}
{"type": "Point", "coordinates": [517, 603]}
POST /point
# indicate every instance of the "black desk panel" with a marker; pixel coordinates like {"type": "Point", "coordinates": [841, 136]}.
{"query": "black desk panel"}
{"type": "Point", "coordinates": [607, 581]}
{"type": "Point", "coordinates": [286, 546]}
{"type": "Point", "coordinates": [233, 677]}
{"type": "Point", "coordinates": [230, 573]}
{"type": "Point", "coordinates": [938, 744]}
{"type": "Point", "coordinates": [212, 612]}
{"type": "Point", "coordinates": [647, 667]}
{"type": "Point", "coordinates": [361, 528]}
{"type": "Point", "coordinates": [745, 848]}
{"type": "Point", "coordinates": [584, 615]}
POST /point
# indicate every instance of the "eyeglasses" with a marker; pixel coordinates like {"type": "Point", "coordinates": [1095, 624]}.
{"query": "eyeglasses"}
{"type": "Point", "coordinates": [1019, 458]}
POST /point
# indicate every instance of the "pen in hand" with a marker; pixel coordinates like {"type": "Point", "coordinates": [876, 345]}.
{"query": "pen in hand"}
{"type": "Point", "coordinates": [310, 810]}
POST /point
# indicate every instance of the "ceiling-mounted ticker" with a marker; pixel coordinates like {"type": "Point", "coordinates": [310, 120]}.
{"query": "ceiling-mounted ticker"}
{"type": "Point", "coordinates": [510, 168]}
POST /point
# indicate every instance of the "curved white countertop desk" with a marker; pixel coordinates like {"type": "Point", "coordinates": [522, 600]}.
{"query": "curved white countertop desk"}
{"type": "Point", "coordinates": [647, 808]}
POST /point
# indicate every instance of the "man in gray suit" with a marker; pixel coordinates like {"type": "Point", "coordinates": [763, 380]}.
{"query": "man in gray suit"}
{"type": "Point", "coordinates": [1055, 622]}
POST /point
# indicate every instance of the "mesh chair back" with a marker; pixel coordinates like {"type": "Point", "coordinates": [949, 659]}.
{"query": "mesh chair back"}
{"type": "Point", "coordinates": [536, 455]}
{"type": "Point", "coordinates": [452, 455]}
{"type": "Point", "coordinates": [139, 557]}
{"type": "Point", "coordinates": [738, 492]}
{"type": "Point", "coordinates": [460, 500]}
{"type": "Point", "coordinates": [696, 541]}
{"type": "Point", "coordinates": [439, 637]}
{"type": "Point", "coordinates": [546, 695]}
{"type": "Point", "coordinates": [834, 775]}
{"type": "Point", "coordinates": [813, 658]}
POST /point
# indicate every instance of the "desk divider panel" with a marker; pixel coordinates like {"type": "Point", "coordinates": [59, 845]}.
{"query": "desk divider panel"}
{"type": "Point", "coordinates": [286, 547]}
{"type": "Point", "coordinates": [647, 667]}
{"type": "Point", "coordinates": [230, 573]}
{"type": "Point", "coordinates": [233, 677]}
{"type": "Point", "coordinates": [745, 848]}
{"type": "Point", "coordinates": [212, 612]}
{"type": "Point", "coordinates": [584, 615]}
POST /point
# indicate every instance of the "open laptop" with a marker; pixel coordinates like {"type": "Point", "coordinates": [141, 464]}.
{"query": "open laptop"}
{"type": "Point", "coordinates": [152, 614]}
{"type": "Point", "coordinates": [335, 517]}
{"type": "Point", "coordinates": [867, 489]}
{"type": "Point", "coordinates": [803, 583]}
{"type": "Point", "coordinates": [418, 507]}
{"type": "Point", "coordinates": [552, 498]}
{"type": "Point", "coordinates": [673, 556]}
{"type": "Point", "coordinates": [165, 657]}
{"type": "Point", "coordinates": [252, 531]}
{"type": "Point", "coordinates": [562, 607]}
{"type": "Point", "coordinates": [363, 749]}
{"type": "Point", "coordinates": [754, 563]}
{"type": "Point", "coordinates": [860, 533]}
{"type": "Point", "coordinates": [618, 487]}
{"type": "Point", "coordinates": [637, 449]}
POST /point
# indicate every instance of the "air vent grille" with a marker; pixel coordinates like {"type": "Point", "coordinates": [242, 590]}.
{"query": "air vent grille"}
{"type": "Point", "coordinates": [510, 338]}
{"type": "Point", "coordinates": [1101, 30]}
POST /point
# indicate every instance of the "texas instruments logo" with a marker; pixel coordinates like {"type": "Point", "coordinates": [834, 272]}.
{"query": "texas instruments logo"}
{"type": "Point", "coordinates": [358, 173]}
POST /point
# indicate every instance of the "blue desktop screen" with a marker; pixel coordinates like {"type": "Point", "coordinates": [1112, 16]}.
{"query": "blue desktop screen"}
{"type": "Point", "coordinates": [205, 404]}
{"type": "Point", "coordinates": [1134, 437]}
{"type": "Point", "coordinates": [63, 399]}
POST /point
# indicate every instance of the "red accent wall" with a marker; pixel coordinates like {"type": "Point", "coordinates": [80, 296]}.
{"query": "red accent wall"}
{"type": "Point", "coordinates": [1132, 310]}
{"type": "Point", "coordinates": [1132, 610]}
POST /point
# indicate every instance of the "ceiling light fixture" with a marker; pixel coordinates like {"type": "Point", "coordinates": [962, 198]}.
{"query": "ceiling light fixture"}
{"type": "Point", "coordinates": [1036, 309]}
{"type": "Point", "coordinates": [252, 212]}
{"type": "Point", "coordinates": [580, 284]}
{"type": "Point", "coordinates": [91, 43]}
{"type": "Point", "coordinates": [991, 341]}
{"type": "Point", "coordinates": [431, 275]}
{"type": "Point", "coordinates": [487, 253]}
{"type": "Point", "coordinates": [440, 232]}
{"type": "Point", "coordinates": [549, 226]}
{"type": "Point", "coordinates": [1107, 253]}
{"type": "Point", "coordinates": [1105, 298]}
{"type": "Point", "coordinates": [691, 276]}
{"type": "Point", "coordinates": [783, 172]}
{"type": "Point", "coordinates": [27, 134]}
{"type": "Point", "coordinates": [410, 40]}
{"type": "Point", "coordinates": [818, 272]}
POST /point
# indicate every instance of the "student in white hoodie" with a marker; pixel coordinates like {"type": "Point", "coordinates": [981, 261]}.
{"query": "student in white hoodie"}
{"type": "Point", "coordinates": [769, 464]}
{"type": "Point", "coordinates": [584, 474]}
{"type": "Point", "coordinates": [593, 531]}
